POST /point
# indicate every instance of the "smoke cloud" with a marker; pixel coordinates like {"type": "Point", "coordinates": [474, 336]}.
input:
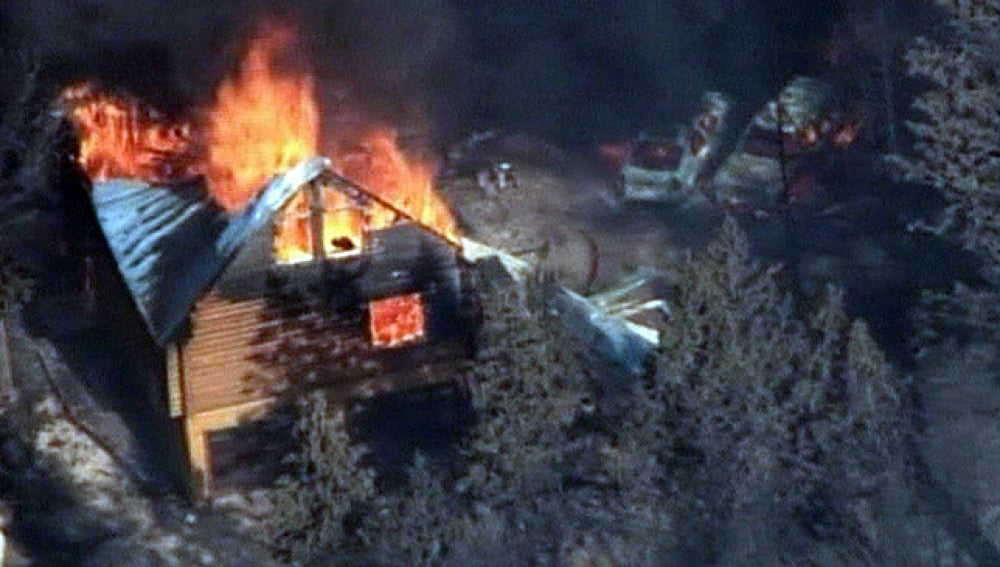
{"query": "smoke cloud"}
{"type": "Point", "coordinates": [570, 70]}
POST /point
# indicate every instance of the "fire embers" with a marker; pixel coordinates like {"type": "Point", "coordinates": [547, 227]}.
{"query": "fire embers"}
{"type": "Point", "coordinates": [397, 321]}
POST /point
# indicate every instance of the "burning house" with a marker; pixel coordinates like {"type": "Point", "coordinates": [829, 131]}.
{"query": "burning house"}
{"type": "Point", "coordinates": [296, 291]}
{"type": "Point", "coordinates": [261, 270]}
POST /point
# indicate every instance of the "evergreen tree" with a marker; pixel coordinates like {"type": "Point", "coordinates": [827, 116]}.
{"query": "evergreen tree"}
{"type": "Point", "coordinates": [328, 483]}
{"type": "Point", "coordinates": [518, 497]}
{"type": "Point", "coordinates": [957, 152]}
{"type": "Point", "coordinates": [787, 425]}
{"type": "Point", "coordinates": [956, 147]}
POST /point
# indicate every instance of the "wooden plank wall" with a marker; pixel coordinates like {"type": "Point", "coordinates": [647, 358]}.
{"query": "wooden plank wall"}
{"type": "Point", "coordinates": [219, 366]}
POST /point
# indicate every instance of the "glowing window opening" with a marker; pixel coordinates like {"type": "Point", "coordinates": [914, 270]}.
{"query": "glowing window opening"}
{"type": "Point", "coordinates": [397, 321]}
{"type": "Point", "coordinates": [341, 221]}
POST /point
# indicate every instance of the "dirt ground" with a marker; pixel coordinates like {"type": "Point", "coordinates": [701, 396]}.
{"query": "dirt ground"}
{"type": "Point", "coordinates": [563, 213]}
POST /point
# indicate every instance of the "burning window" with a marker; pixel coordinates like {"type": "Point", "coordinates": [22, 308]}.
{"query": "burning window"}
{"type": "Point", "coordinates": [396, 321]}
{"type": "Point", "coordinates": [339, 222]}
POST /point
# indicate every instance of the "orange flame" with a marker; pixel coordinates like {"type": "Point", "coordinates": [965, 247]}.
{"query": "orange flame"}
{"type": "Point", "coordinates": [120, 137]}
{"type": "Point", "coordinates": [615, 153]}
{"type": "Point", "coordinates": [407, 184]}
{"type": "Point", "coordinates": [846, 134]}
{"type": "Point", "coordinates": [397, 320]}
{"type": "Point", "coordinates": [263, 122]}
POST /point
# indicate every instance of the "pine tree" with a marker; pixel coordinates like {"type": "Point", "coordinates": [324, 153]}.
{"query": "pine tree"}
{"type": "Point", "coordinates": [329, 482]}
{"type": "Point", "coordinates": [526, 391]}
{"type": "Point", "coordinates": [956, 148]}
{"type": "Point", "coordinates": [514, 500]}
{"type": "Point", "coordinates": [957, 152]}
{"type": "Point", "coordinates": [790, 422]}
{"type": "Point", "coordinates": [27, 155]}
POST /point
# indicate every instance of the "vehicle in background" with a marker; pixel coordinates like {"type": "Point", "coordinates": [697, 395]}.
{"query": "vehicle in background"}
{"type": "Point", "coordinates": [666, 169]}
{"type": "Point", "coordinates": [776, 161]}
{"type": "Point", "coordinates": [773, 162]}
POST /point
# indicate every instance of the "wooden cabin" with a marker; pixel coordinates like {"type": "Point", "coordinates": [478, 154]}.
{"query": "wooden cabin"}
{"type": "Point", "coordinates": [300, 291]}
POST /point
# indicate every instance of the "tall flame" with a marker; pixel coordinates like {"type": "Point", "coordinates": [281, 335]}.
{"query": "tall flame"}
{"type": "Point", "coordinates": [406, 183]}
{"type": "Point", "coordinates": [263, 121]}
{"type": "Point", "coordinates": [120, 137]}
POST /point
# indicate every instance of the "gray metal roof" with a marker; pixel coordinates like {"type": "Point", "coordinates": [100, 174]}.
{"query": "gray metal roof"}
{"type": "Point", "coordinates": [172, 242]}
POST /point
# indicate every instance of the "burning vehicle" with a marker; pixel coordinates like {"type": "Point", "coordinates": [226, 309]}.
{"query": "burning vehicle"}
{"type": "Point", "coordinates": [770, 165]}
{"type": "Point", "coordinates": [667, 169]}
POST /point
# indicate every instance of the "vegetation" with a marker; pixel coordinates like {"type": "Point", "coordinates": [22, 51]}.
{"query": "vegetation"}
{"type": "Point", "coordinates": [26, 144]}
{"type": "Point", "coordinates": [767, 431]}
{"type": "Point", "coordinates": [958, 154]}
{"type": "Point", "coordinates": [312, 505]}
{"type": "Point", "coordinates": [957, 151]}
{"type": "Point", "coordinates": [770, 432]}
{"type": "Point", "coordinates": [789, 425]}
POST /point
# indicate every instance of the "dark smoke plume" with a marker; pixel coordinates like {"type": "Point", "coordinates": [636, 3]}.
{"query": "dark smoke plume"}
{"type": "Point", "coordinates": [571, 70]}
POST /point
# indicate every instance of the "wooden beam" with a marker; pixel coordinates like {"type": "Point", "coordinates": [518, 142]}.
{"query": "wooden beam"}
{"type": "Point", "coordinates": [175, 394]}
{"type": "Point", "coordinates": [316, 209]}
